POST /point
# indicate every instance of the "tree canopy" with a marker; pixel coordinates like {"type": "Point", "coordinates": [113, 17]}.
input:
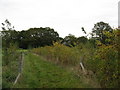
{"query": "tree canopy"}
{"type": "Point", "coordinates": [33, 37]}
{"type": "Point", "coordinates": [99, 29]}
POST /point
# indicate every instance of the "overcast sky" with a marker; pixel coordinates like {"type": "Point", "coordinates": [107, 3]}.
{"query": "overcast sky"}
{"type": "Point", "coordinates": [64, 16]}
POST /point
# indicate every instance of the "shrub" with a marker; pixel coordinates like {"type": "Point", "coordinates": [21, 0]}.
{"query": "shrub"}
{"type": "Point", "coordinates": [59, 53]}
{"type": "Point", "coordinates": [104, 62]}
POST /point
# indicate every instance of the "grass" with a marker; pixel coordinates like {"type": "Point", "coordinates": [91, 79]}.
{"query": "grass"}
{"type": "Point", "coordinates": [22, 50]}
{"type": "Point", "coordinates": [39, 73]}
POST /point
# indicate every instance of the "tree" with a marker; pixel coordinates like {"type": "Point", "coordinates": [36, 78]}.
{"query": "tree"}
{"type": "Point", "coordinates": [82, 39]}
{"type": "Point", "coordinates": [35, 37]}
{"type": "Point", "coordinates": [9, 35]}
{"type": "Point", "coordinates": [7, 25]}
{"type": "Point", "coordinates": [70, 40]}
{"type": "Point", "coordinates": [99, 29]}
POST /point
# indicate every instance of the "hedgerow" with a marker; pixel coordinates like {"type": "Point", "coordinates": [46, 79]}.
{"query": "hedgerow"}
{"type": "Point", "coordinates": [102, 60]}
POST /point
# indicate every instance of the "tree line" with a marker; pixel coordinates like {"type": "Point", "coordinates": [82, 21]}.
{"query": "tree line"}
{"type": "Point", "coordinates": [39, 37]}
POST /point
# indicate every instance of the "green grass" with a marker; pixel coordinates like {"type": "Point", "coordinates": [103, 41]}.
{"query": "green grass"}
{"type": "Point", "coordinates": [22, 50]}
{"type": "Point", "coordinates": [38, 73]}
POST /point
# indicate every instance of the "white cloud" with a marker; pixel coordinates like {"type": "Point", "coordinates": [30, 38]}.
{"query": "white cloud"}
{"type": "Point", "coordinates": [65, 16]}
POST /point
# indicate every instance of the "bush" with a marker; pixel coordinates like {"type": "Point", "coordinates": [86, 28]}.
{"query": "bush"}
{"type": "Point", "coordinates": [59, 53]}
{"type": "Point", "coordinates": [101, 59]}
{"type": "Point", "coordinates": [104, 62]}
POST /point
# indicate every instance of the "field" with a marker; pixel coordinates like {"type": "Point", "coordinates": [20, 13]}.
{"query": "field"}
{"type": "Point", "coordinates": [39, 58]}
{"type": "Point", "coordinates": [39, 73]}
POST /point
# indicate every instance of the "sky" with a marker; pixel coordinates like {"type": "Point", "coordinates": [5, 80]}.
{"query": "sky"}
{"type": "Point", "coordinates": [64, 16]}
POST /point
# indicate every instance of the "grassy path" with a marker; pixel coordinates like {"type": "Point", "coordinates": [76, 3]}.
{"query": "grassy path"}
{"type": "Point", "coordinates": [38, 73]}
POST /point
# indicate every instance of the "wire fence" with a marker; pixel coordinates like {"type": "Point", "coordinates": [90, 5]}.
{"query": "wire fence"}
{"type": "Point", "coordinates": [11, 68]}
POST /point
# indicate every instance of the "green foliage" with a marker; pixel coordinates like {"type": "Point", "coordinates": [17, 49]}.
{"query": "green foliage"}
{"type": "Point", "coordinates": [39, 73]}
{"type": "Point", "coordinates": [59, 53]}
{"type": "Point", "coordinates": [104, 62]}
{"type": "Point", "coordinates": [9, 54]}
{"type": "Point", "coordinates": [99, 29]}
{"type": "Point", "coordinates": [73, 41]}
{"type": "Point", "coordinates": [10, 64]}
{"type": "Point", "coordinates": [70, 40]}
{"type": "Point", "coordinates": [82, 40]}
{"type": "Point", "coordinates": [99, 54]}
{"type": "Point", "coordinates": [105, 66]}
{"type": "Point", "coordinates": [34, 37]}
{"type": "Point", "coordinates": [8, 37]}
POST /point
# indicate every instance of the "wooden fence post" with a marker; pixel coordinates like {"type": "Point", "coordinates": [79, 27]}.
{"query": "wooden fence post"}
{"type": "Point", "coordinates": [20, 67]}
{"type": "Point", "coordinates": [81, 64]}
{"type": "Point", "coordinates": [82, 67]}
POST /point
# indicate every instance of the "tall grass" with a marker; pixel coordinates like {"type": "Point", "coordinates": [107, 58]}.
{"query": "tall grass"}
{"type": "Point", "coordinates": [10, 63]}
{"type": "Point", "coordinates": [59, 53]}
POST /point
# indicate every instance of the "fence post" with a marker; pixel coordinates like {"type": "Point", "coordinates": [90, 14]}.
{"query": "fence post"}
{"type": "Point", "coordinates": [22, 58]}
{"type": "Point", "coordinates": [20, 67]}
{"type": "Point", "coordinates": [81, 64]}
{"type": "Point", "coordinates": [82, 67]}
